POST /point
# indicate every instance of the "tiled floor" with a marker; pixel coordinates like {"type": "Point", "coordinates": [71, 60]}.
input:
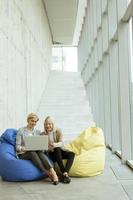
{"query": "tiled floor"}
{"type": "Point", "coordinates": [115, 183]}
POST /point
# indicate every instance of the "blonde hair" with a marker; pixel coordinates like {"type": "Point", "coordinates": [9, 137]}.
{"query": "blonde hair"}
{"type": "Point", "coordinates": [32, 115]}
{"type": "Point", "coordinates": [47, 118]}
{"type": "Point", "coordinates": [51, 119]}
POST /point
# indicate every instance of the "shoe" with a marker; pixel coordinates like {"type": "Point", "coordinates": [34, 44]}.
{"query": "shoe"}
{"type": "Point", "coordinates": [55, 182]}
{"type": "Point", "coordinates": [66, 179]}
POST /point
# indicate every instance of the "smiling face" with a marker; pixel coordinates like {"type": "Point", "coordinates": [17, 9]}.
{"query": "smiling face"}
{"type": "Point", "coordinates": [32, 122]}
{"type": "Point", "coordinates": [48, 125]}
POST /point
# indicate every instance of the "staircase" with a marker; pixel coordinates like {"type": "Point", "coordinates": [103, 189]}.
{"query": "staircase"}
{"type": "Point", "coordinates": [65, 100]}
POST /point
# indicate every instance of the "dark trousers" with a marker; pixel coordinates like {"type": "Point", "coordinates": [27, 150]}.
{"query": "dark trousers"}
{"type": "Point", "coordinates": [38, 158]}
{"type": "Point", "coordinates": [58, 155]}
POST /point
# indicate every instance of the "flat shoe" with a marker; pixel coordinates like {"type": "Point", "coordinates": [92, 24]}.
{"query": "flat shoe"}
{"type": "Point", "coordinates": [66, 179]}
{"type": "Point", "coordinates": [55, 182]}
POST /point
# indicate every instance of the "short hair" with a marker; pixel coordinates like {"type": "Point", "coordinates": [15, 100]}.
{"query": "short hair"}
{"type": "Point", "coordinates": [32, 115]}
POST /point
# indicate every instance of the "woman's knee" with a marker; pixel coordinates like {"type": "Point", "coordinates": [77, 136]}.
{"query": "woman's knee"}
{"type": "Point", "coordinates": [57, 149]}
{"type": "Point", "coordinates": [32, 154]}
{"type": "Point", "coordinates": [71, 154]}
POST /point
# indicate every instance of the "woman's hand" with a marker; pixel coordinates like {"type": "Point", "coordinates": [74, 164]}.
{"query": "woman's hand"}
{"type": "Point", "coordinates": [50, 146]}
{"type": "Point", "coordinates": [23, 149]}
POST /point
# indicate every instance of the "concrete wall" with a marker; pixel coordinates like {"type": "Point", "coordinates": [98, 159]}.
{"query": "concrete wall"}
{"type": "Point", "coordinates": [105, 63]}
{"type": "Point", "coordinates": [25, 57]}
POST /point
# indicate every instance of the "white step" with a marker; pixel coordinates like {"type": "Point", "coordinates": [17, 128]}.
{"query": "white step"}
{"type": "Point", "coordinates": [66, 101]}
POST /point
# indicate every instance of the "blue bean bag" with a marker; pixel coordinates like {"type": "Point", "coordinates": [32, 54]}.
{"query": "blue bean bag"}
{"type": "Point", "coordinates": [12, 168]}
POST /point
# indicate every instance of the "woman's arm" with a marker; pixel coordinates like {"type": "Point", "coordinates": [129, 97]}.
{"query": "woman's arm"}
{"type": "Point", "coordinates": [57, 144]}
{"type": "Point", "coordinates": [58, 139]}
{"type": "Point", "coordinates": [19, 141]}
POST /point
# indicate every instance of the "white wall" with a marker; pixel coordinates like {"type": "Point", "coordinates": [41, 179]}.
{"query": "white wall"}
{"type": "Point", "coordinates": [104, 55]}
{"type": "Point", "coordinates": [25, 58]}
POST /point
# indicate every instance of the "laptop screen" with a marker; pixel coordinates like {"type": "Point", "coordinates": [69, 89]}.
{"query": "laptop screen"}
{"type": "Point", "coordinates": [34, 143]}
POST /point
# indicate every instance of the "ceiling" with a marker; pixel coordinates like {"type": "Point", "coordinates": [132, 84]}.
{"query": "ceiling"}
{"type": "Point", "coordinates": [62, 19]}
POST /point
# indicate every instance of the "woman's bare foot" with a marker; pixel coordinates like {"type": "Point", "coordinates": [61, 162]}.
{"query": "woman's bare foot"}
{"type": "Point", "coordinates": [53, 176]}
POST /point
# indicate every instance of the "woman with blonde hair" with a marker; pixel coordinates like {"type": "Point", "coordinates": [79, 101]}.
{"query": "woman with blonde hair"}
{"type": "Point", "coordinates": [56, 149]}
{"type": "Point", "coordinates": [38, 158]}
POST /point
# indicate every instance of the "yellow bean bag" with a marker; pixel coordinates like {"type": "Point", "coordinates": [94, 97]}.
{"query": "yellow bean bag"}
{"type": "Point", "coordinates": [89, 148]}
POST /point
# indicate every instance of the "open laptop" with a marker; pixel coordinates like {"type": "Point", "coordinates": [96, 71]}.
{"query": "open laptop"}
{"type": "Point", "coordinates": [34, 143]}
